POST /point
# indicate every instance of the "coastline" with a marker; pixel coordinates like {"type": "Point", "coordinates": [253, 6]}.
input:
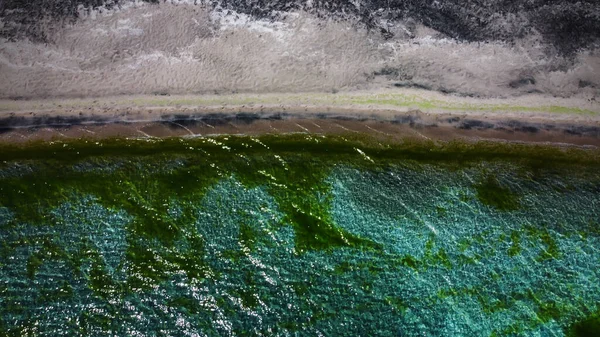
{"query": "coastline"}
{"type": "Point", "coordinates": [397, 115]}
{"type": "Point", "coordinates": [152, 187]}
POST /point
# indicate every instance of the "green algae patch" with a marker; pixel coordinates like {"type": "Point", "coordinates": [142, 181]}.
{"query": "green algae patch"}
{"type": "Point", "coordinates": [433, 257]}
{"type": "Point", "coordinates": [336, 147]}
{"type": "Point", "coordinates": [409, 261]}
{"type": "Point", "coordinates": [248, 236]}
{"type": "Point", "coordinates": [587, 327]}
{"type": "Point", "coordinates": [515, 246]}
{"type": "Point", "coordinates": [550, 248]}
{"type": "Point", "coordinates": [33, 264]}
{"type": "Point", "coordinates": [48, 251]}
{"type": "Point", "coordinates": [101, 282]}
{"type": "Point", "coordinates": [491, 193]}
{"type": "Point", "coordinates": [313, 233]}
{"type": "Point", "coordinates": [397, 303]}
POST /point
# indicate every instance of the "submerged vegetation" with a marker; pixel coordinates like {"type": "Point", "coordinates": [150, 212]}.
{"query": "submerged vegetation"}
{"type": "Point", "coordinates": [588, 327]}
{"type": "Point", "coordinates": [140, 176]}
{"type": "Point", "coordinates": [491, 193]}
{"type": "Point", "coordinates": [154, 187]}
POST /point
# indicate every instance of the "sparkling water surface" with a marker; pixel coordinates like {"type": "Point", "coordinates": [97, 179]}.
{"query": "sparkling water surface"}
{"type": "Point", "coordinates": [402, 249]}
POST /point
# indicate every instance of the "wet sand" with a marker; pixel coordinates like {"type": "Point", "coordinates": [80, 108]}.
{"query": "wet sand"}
{"type": "Point", "coordinates": [395, 116]}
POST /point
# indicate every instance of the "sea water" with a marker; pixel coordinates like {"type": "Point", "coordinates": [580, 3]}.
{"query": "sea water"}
{"type": "Point", "coordinates": [297, 236]}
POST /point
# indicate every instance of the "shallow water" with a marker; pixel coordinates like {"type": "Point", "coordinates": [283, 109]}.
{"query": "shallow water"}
{"type": "Point", "coordinates": [296, 235]}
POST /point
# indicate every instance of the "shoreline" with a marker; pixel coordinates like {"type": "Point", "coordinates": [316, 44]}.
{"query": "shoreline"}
{"type": "Point", "coordinates": [397, 115]}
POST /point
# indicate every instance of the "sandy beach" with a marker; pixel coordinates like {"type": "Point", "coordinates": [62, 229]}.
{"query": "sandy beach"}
{"type": "Point", "coordinates": [414, 114]}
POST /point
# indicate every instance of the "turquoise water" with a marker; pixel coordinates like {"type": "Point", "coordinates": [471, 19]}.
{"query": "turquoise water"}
{"type": "Point", "coordinates": [405, 248]}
